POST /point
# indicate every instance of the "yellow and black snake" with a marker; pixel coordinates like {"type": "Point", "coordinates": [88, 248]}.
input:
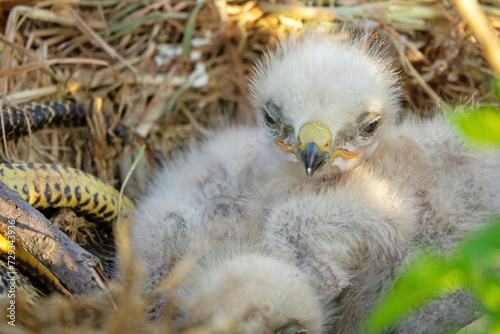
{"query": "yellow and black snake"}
{"type": "Point", "coordinates": [31, 267]}
{"type": "Point", "coordinates": [55, 186]}
{"type": "Point", "coordinates": [17, 121]}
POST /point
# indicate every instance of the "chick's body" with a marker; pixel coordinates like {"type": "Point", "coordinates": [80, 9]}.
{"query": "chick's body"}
{"type": "Point", "coordinates": [320, 96]}
{"type": "Point", "coordinates": [196, 201]}
{"type": "Point", "coordinates": [421, 187]}
{"type": "Point", "coordinates": [458, 186]}
{"type": "Point", "coordinates": [326, 107]}
{"type": "Point", "coordinates": [241, 219]}
{"type": "Point", "coordinates": [208, 206]}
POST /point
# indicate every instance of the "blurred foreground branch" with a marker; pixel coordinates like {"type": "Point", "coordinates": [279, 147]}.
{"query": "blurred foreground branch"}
{"type": "Point", "coordinates": [75, 267]}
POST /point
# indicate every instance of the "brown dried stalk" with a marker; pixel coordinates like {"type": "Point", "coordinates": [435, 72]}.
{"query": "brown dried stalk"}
{"type": "Point", "coordinates": [75, 267]}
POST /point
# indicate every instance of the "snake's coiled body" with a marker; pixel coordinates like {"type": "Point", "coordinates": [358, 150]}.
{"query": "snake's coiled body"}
{"type": "Point", "coordinates": [19, 120]}
{"type": "Point", "coordinates": [12, 280]}
{"type": "Point", "coordinates": [54, 186]}
{"type": "Point", "coordinates": [31, 267]}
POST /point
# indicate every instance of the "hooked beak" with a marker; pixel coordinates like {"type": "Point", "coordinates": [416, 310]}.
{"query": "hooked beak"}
{"type": "Point", "coordinates": [315, 151]}
{"type": "Point", "coordinates": [315, 141]}
{"type": "Point", "coordinates": [312, 158]}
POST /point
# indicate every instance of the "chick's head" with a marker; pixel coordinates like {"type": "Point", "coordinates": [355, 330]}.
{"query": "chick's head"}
{"type": "Point", "coordinates": [325, 99]}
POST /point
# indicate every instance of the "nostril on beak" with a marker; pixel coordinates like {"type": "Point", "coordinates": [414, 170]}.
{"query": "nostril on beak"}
{"type": "Point", "coordinates": [291, 329]}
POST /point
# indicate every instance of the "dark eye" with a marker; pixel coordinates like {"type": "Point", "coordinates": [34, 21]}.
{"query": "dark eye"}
{"type": "Point", "coordinates": [269, 120]}
{"type": "Point", "coordinates": [370, 129]}
{"type": "Point", "coordinates": [271, 115]}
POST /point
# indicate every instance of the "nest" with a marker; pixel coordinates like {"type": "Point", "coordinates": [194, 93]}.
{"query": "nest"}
{"type": "Point", "coordinates": [173, 71]}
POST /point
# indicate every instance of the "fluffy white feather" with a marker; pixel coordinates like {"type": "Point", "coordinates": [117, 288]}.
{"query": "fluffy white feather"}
{"type": "Point", "coordinates": [331, 78]}
{"type": "Point", "coordinates": [249, 208]}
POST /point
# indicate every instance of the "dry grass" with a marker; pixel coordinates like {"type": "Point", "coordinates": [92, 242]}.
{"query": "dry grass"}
{"type": "Point", "coordinates": [171, 72]}
{"type": "Point", "coordinates": [119, 309]}
{"type": "Point", "coordinates": [174, 70]}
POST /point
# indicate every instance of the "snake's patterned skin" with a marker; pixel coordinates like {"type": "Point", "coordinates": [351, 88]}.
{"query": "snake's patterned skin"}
{"type": "Point", "coordinates": [13, 283]}
{"type": "Point", "coordinates": [55, 186]}
{"type": "Point", "coordinates": [17, 120]}
{"type": "Point", "coordinates": [22, 261]}
{"type": "Point", "coordinates": [20, 119]}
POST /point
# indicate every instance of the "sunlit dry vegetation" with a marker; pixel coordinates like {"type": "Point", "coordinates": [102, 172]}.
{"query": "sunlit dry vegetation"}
{"type": "Point", "coordinates": [171, 71]}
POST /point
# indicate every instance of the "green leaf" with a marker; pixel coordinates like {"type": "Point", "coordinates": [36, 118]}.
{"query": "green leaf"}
{"type": "Point", "coordinates": [420, 281]}
{"type": "Point", "coordinates": [129, 174]}
{"type": "Point", "coordinates": [479, 259]}
{"type": "Point", "coordinates": [190, 25]}
{"type": "Point", "coordinates": [479, 326]}
{"type": "Point", "coordinates": [474, 264]}
{"type": "Point", "coordinates": [488, 290]}
{"type": "Point", "coordinates": [126, 10]}
{"type": "Point", "coordinates": [494, 87]}
{"type": "Point", "coordinates": [481, 249]}
{"type": "Point", "coordinates": [480, 125]}
{"type": "Point", "coordinates": [127, 26]}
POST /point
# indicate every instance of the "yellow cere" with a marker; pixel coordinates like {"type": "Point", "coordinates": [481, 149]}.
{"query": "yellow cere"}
{"type": "Point", "coordinates": [315, 132]}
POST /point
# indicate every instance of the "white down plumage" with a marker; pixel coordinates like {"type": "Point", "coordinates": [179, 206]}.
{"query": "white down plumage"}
{"type": "Point", "coordinates": [300, 222]}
